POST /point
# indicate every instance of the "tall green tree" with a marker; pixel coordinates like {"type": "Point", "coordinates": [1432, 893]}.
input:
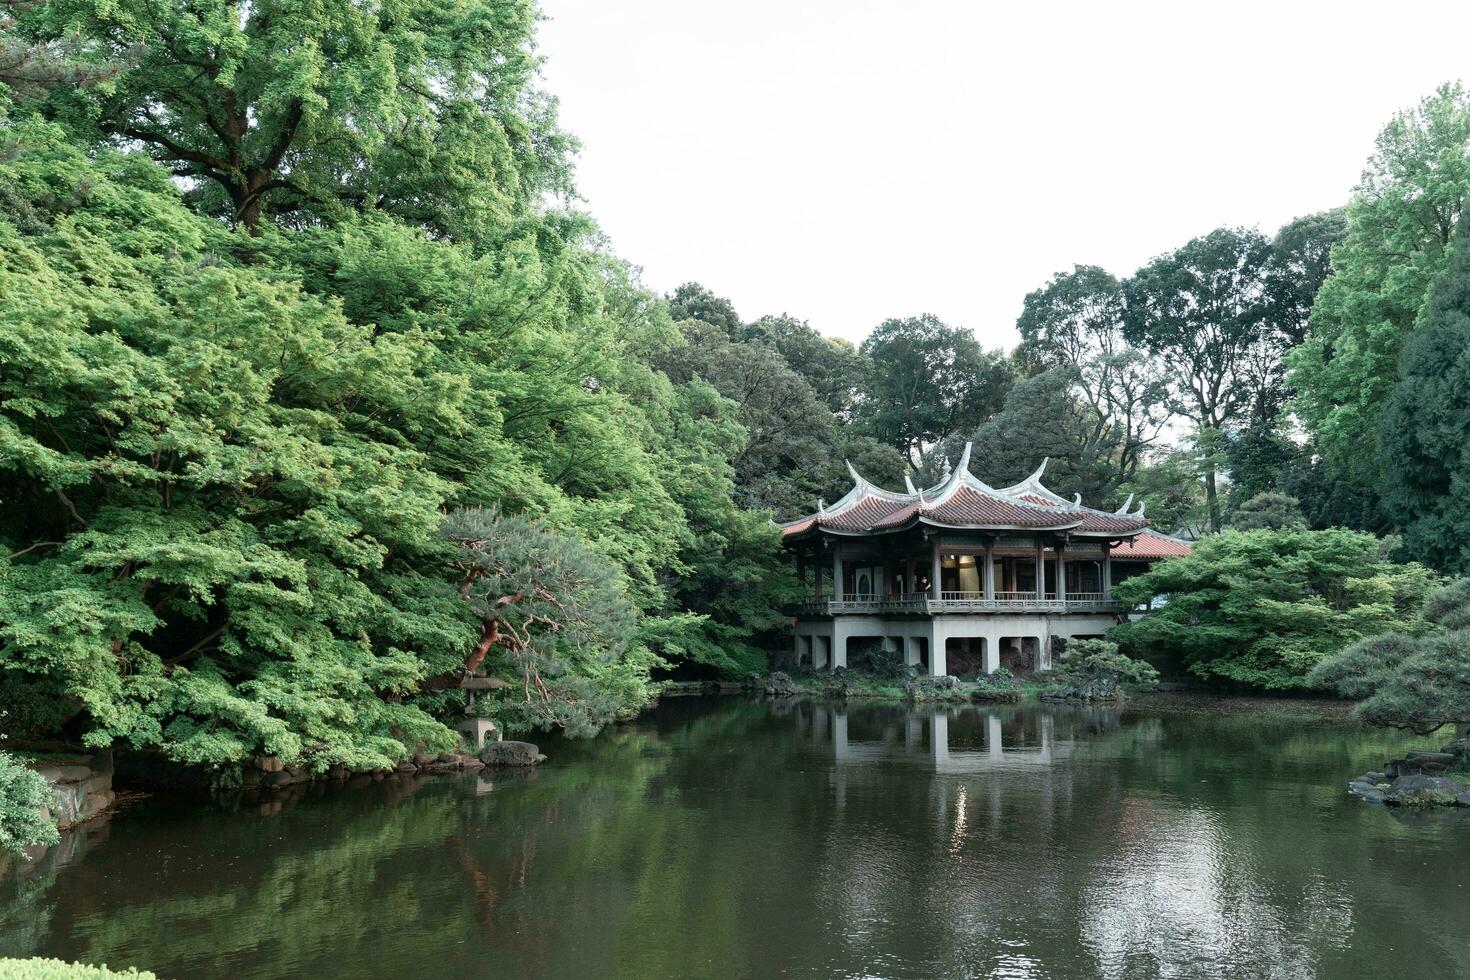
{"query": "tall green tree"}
{"type": "Point", "coordinates": [218, 535]}
{"type": "Point", "coordinates": [834, 368]}
{"type": "Point", "coordinates": [1076, 323]}
{"type": "Point", "coordinates": [424, 109]}
{"type": "Point", "coordinates": [927, 380]}
{"type": "Point", "coordinates": [1204, 311]}
{"type": "Point", "coordinates": [1400, 224]}
{"type": "Point", "coordinates": [1425, 430]}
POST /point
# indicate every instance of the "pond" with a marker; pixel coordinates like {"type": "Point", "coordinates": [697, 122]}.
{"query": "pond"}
{"type": "Point", "coordinates": [746, 838]}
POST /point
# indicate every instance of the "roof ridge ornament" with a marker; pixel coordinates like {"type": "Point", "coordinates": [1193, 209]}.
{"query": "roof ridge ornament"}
{"type": "Point", "coordinates": [1077, 501]}
{"type": "Point", "coordinates": [908, 484]}
{"type": "Point", "coordinates": [964, 466]}
{"type": "Point", "coordinates": [852, 471]}
{"type": "Point", "coordinates": [821, 506]}
{"type": "Point", "coordinates": [1139, 515]}
{"type": "Point", "coordinates": [1123, 511]}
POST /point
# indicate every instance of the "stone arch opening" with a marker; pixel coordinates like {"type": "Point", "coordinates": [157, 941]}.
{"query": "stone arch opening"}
{"type": "Point", "coordinates": [1020, 654]}
{"type": "Point", "coordinates": [964, 656]}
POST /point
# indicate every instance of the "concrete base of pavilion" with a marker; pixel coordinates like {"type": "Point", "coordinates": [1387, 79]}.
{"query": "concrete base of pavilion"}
{"type": "Point", "coordinates": [924, 642]}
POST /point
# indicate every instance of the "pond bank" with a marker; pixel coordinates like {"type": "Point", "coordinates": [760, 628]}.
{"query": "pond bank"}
{"type": "Point", "coordinates": [857, 686]}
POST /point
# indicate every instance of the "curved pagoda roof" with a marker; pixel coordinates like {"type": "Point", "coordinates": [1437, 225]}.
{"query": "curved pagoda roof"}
{"type": "Point", "coordinates": [962, 501]}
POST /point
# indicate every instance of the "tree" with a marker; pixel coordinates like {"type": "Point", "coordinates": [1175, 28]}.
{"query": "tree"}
{"type": "Point", "coordinates": [693, 301]}
{"type": "Point", "coordinates": [834, 368]}
{"type": "Point", "coordinates": [1426, 425]}
{"type": "Point", "coordinates": [1170, 486]}
{"type": "Point", "coordinates": [1259, 458]}
{"type": "Point", "coordinates": [1262, 608]}
{"type": "Point", "coordinates": [1042, 419]}
{"type": "Point", "coordinates": [423, 109]}
{"type": "Point", "coordinates": [1418, 680]}
{"type": "Point", "coordinates": [1076, 321]}
{"type": "Point", "coordinates": [215, 542]}
{"type": "Point", "coordinates": [927, 380]}
{"type": "Point", "coordinates": [1272, 511]}
{"type": "Point", "coordinates": [551, 613]}
{"type": "Point", "coordinates": [1400, 223]}
{"type": "Point", "coordinates": [1301, 261]}
{"type": "Point", "coordinates": [1204, 311]}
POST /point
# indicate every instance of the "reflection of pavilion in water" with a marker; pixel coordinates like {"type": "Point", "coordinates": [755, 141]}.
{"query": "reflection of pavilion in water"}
{"type": "Point", "coordinates": [955, 740]}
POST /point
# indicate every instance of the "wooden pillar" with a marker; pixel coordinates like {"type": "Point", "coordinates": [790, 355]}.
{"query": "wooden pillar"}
{"type": "Point", "coordinates": [1107, 570]}
{"type": "Point", "coordinates": [912, 577]}
{"type": "Point", "coordinates": [987, 577]}
{"type": "Point", "coordinates": [816, 578]}
{"type": "Point", "coordinates": [934, 577]}
{"type": "Point", "coordinates": [837, 583]}
{"type": "Point", "coordinates": [1040, 569]}
{"type": "Point", "coordinates": [1062, 570]}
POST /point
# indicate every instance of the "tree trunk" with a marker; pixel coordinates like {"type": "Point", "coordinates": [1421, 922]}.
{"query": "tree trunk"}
{"type": "Point", "coordinates": [1212, 499]}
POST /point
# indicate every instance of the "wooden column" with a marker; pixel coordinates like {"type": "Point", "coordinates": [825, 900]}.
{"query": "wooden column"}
{"type": "Point", "coordinates": [1107, 570]}
{"type": "Point", "coordinates": [987, 578]}
{"type": "Point", "coordinates": [934, 576]}
{"type": "Point", "coordinates": [1062, 571]}
{"type": "Point", "coordinates": [837, 583]}
{"type": "Point", "coordinates": [1040, 569]}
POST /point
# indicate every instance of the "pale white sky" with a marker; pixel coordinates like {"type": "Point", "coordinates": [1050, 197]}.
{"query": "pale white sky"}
{"type": "Point", "coordinates": [846, 161]}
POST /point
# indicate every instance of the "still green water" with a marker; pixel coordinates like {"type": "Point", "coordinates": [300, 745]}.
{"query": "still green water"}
{"type": "Point", "coordinates": [745, 838]}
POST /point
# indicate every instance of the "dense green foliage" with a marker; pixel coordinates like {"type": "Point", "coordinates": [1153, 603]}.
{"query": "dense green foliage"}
{"type": "Point", "coordinates": [1400, 224]}
{"type": "Point", "coordinates": [1262, 608]}
{"type": "Point", "coordinates": [926, 380]}
{"type": "Point", "coordinates": [557, 611]}
{"type": "Point", "coordinates": [1416, 681]}
{"type": "Point", "coordinates": [1094, 670]}
{"type": "Point", "coordinates": [228, 457]}
{"type": "Point", "coordinates": [22, 795]}
{"type": "Point", "coordinates": [1425, 429]}
{"type": "Point", "coordinates": [1269, 510]}
{"type": "Point", "coordinates": [48, 969]}
{"type": "Point", "coordinates": [421, 109]}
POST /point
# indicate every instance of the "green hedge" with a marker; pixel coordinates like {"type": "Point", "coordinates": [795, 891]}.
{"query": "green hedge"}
{"type": "Point", "coordinates": [43, 969]}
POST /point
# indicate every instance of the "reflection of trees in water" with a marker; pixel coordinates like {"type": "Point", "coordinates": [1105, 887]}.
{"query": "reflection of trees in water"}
{"type": "Point", "coordinates": [727, 840]}
{"type": "Point", "coordinates": [1171, 845]}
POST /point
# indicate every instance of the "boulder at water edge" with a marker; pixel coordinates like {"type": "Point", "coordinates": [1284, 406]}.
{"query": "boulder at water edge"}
{"type": "Point", "coordinates": [1420, 790]}
{"type": "Point", "coordinates": [780, 685]}
{"type": "Point", "coordinates": [511, 754]}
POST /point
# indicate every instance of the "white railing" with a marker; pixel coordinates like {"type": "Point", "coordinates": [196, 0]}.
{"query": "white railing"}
{"type": "Point", "coordinates": [958, 602]}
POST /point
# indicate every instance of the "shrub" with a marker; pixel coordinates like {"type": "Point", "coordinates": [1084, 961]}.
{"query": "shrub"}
{"type": "Point", "coordinates": [1093, 670]}
{"type": "Point", "coordinates": [1264, 607]}
{"type": "Point", "coordinates": [46, 969]}
{"type": "Point", "coordinates": [1414, 682]}
{"type": "Point", "coordinates": [22, 795]}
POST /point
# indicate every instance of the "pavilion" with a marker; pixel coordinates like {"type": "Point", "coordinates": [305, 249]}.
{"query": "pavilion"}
{"type": "Point", "coordinates": [963, 571]}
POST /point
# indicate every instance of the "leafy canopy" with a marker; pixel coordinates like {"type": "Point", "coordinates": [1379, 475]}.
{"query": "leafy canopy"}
{"type": "Point", "coordinates": [422, 108]}
{"type": "Point", "coordinates": [1399, 227]}
{"type": "Point", "coordinates": [1419, 682]}
{"type": "Point", "coordinates": [1426, 425]}
{"type": "Point", "coordinates": [1262, 608]}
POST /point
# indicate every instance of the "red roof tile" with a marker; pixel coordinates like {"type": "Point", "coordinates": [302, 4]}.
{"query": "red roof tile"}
{"type": "Point", "coordinates": [1150, 546]}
